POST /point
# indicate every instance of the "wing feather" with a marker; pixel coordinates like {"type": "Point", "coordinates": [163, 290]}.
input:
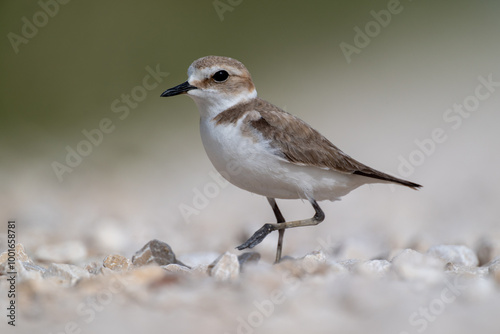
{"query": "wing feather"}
{"type": "Point", "coordinates": [298, 143]}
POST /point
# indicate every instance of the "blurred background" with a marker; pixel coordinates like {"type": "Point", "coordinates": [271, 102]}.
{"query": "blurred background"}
{"type": "Point", "coordinates": [67, 67]}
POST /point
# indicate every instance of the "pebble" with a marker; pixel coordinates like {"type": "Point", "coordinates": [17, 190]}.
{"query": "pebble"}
{"type": "Point", "coordinates": [94, 267]}
{"type": "Point", "coordinates": [30, 266]}
{"type": "Point", "coordinates": [116, 262]}
{"type": "Point", "coordinates": [25, 270]}
{"type": "Point", "coordinates": [458, 255]}
{"type": "Point", "coordinates": [272, 294]}
{"type": "Point", "coordinates": [338, 267]}
{"type": "Point", "coordinates": [155, 251]}
{"type": "Point", "coordinates": [20, 255]}
{"type": "Point", "coordinates": [313, 263]}
{"type": "Point", "coordinates": [201, 270]}
{"type": "Point", "coordinates": [66, 273]}
{"type": "Point", "coordinates": [225, 267]}
{"type": "Point", "coordinates": [23, 265]}
{"type": "Point", "coordinates": [176, 268]}
{"type": "Point", "coordinates": [410, 264]}
{"type": "Point", "coordinates": [466, 271]}
{"type": "Point", "coordinates": [64, 252]}
{"type": "Point", "coordinates": [350, 266]}
{"type": "Point", "coordinates": [375, 268]}
{"type": "Point", "coordinates": [248, 258]}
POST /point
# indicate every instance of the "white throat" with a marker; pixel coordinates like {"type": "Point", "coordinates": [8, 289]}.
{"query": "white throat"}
{"type": "Point", "coordinates": [212, 103]}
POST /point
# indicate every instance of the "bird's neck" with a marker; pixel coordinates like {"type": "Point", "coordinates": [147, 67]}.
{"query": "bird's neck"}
{"type": "Point", "coordinates": [210, 108]}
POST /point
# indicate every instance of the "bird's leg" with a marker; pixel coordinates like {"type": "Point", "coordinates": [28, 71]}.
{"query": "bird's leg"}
{"type": "Point", "coordinates": [261, 233]}
{"type": "Point", "coordinates": [280, 219]}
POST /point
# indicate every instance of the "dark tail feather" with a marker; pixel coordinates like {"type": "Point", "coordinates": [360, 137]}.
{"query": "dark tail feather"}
{"type": "Point", "coordinates": [386, 177]}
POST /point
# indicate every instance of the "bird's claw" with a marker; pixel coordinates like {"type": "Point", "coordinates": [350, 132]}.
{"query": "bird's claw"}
{"type": "Point", "coordinates": [257, 237]}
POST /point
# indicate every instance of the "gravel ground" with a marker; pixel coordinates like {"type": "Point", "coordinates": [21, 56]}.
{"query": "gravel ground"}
{"type": "Point", "coordinates": [441, 290]}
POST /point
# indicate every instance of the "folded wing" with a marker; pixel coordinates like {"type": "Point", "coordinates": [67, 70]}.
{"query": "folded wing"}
{"type": "Point", "coordinates": [298, 143]}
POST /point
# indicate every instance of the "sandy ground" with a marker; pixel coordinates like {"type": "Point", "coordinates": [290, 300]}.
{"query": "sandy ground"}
{"type": "Point", "coordinates": [441, 291]}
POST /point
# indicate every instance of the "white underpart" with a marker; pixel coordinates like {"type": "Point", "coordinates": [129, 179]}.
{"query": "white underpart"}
{"type": "Point", "coordinates": [252, 164]}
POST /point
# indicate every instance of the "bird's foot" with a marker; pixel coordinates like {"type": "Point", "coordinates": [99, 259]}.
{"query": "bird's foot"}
{"type": "Point", "coordinates": [257, 237]}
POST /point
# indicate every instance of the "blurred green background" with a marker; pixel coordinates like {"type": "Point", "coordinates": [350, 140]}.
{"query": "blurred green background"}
{"type": "Point", "coordinates": [395, 90]}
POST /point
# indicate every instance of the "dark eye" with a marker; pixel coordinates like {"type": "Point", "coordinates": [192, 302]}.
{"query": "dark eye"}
{"type": "Point", "coordinates": [220, 76]}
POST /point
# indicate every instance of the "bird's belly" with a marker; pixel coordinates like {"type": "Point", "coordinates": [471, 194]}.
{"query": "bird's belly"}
{"type": "Point", "coordinates": [251, 164]}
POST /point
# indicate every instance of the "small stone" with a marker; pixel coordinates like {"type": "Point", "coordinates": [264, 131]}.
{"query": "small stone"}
{"type": "Point", "coordinates": [248, 258]}
{"type": "Point", "coordinates": [30, 266]}
{"type": "Point", "coordinates": [350, 265]}
{"type": "Point", "coordinates": [67, 273]}
{"type": "Point", "coordinates": [201, 270]}
{"type": "Point", "coordinates": [465, 271]}
{"type": "Point", "coordinates": [376, 268]}
{"type": "Point", "coordinates": [176, 268]}
{"type": "Point", "coordinates": [458, 255]}
{"type": "Point", "coordinates": [157, 252]}
{"type": "Point", "coordinates": [31, 273]}
{"type": "Point", "coordinates": [313, 263]}
{"type": "Point", "coordinates": [94, 268]}
{"type": "Point", "coordinates": [64, 252]}
{"type": "Point", "coordinates": [25, 270]}
{"type": "Point", "coordinates": [225, 267]}
{"type": "Point", "coordinates": [116, 262]}
{"type": "Point", "coordinates": [20, 255]}
{"type": "Point", "coordinates": [23, 265]}
{"type": "Point", "coordinates": [410, 264]}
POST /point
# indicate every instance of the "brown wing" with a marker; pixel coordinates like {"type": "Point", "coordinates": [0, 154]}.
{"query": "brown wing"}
{"type": "Point", "coordinates": [299, 143]}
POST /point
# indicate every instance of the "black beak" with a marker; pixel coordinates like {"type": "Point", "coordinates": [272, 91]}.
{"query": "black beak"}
{"type": "Point", "coordinates": [179, 89]}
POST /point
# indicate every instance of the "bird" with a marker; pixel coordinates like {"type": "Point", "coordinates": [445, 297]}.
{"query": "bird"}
{"type": "Point", "coordinates": [265, 150]}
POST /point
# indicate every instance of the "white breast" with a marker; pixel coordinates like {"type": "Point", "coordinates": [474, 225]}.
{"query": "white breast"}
{"type": "Point", "coordinates": [249, 162]}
